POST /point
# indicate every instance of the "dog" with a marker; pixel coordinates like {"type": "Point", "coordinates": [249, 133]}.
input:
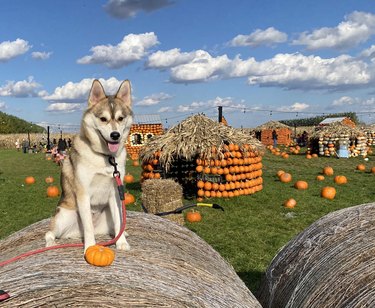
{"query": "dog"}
{"type": "Point", "coordinates": [90, 204]}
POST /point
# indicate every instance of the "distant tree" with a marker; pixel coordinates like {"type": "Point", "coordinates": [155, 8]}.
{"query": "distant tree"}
{"type": "Point", "coordinates": [316, 120]}
{"type": "Point", "coordinates": [12, 125]}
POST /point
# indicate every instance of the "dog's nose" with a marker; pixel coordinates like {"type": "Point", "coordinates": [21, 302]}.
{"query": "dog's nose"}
{"type": "Point", "coordinates": [115, 135]}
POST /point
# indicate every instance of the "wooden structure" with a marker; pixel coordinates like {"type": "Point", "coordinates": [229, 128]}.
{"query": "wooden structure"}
{"type": "Point", "coordinates": [342, 120]}
{"type": "Point", "coordinates": [142, 130]}
{"type": "Point", "coordinates": [208, 159]}
{"type": "Point", "coordinates": [264, 133]}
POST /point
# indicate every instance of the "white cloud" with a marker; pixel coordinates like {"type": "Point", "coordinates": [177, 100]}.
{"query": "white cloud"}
{"type": "Point", "coordinates": [369, 52]}
{"type": "Point", "coordinates": [344, 101]}
{"type": "Point", "coordinates": [64, 107]}
{"type": "Point", "coordinates": [357, 28]}
{"type": "Point", "coordinates": [3, 106]}
{"type": "Point", "coordinates": [41, 55]}
{"type": "Point", "coordinates": [153, 99]}
{"type": "Point", "coordinates": [217, 101]}
{"type": "Point", "coordinates": [74, 92]}
{"type": "Point", "coordinates": [132, 48]}
{"type": "Point", "coordinates": [259, 37]}
{"type": "Point", "coordinates": [23, 88]}
{"type": "Point", "coordinates": [296, 107]}
{"type": "Point", "coordinates": [361, 104]}
{"type": "Point", "coordinates": [129, 8]}
{"type": "Point", "coordinates": [165, 109]}
{"type": "Point", "coordinates": [170, 58]}
{"type": "Point", "coordinates": [12, 49]}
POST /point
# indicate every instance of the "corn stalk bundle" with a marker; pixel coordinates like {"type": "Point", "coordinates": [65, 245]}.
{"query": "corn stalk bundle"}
{"type": "Point", "coordinates": [167, 266]}
{"type": "Point", "coordinates": [329, 264]}
{"type": "Point", "coordinates": [271, 125]}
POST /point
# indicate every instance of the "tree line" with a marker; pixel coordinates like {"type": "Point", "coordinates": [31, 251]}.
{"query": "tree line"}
{"type": "Point", "coordinates": [12, 125]}
{"type": "Point", "coordinates": [316, 120]}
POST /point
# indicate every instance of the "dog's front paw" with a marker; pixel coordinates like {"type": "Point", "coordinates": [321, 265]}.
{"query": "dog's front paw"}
{"type": "Point", "coordinates": [122, 244]}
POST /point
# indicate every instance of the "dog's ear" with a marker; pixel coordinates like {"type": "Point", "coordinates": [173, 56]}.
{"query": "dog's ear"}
{"type": "Point", "coordinates": [96, 93]}
{"type": "Point", "coordinates": [124, 92]}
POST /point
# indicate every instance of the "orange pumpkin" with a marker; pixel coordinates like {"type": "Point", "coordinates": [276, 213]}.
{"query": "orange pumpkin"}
{"type": "Point", "coordinates": [99, 255]}
{"type": "Point", "coordinates": [53, 191]}
{"type": "Point", "coordinates": [308, 156]}
{"type": "Point", "coordinates": [128, 178]}
{"type": "Point", "coordinates": [193, 216]}
{"type": "Point", "coordinates": [328, 192]}
{"type": "Point", "coordinates": [29, 180]}
{"type": "Point", "coordinates": [320, 177]}
{"type": "Point", "coordinates": [129, 198]}
{"type": "Point", "coordinates": [340, 179]}
{"type": "Point", "coordinates": [361, 167]}
{"type": "Point", "coordinates": [135, 163]}
{"type": "Point", "coordinates": [327, 170]}
{"type": "Point", "coordinates": [285, 177]}
{"type": "Point", "coordinates": [373, 170]}
{"type": "Point", "coordinates": [280, 172]}
{"type": "Point", "coordinates": [49, 179]}
{"type": "Point", "coordinates": [301, 185]}
{"type": "Point", "coordinates": [290, 203]}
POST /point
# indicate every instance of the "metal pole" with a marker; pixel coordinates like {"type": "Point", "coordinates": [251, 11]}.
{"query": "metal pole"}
{"type": "Point", "coordinates": [220, 108]}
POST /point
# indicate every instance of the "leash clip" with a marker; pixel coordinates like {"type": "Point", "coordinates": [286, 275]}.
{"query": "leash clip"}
{"type": "Point", "coordinates": [113, 163]}
{"type": "Point", "coordinates": [117, 177]}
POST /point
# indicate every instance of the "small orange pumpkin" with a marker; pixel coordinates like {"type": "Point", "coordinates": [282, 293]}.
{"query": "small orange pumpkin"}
{"type": "Point", "coordinates": [99, 255]}
{"type": "Point", "coordinates": [49, 179]}
{"type": "Point", "coordinates": [301, 185]}
{"type": "Point", "coordinates": [373, 170]}
{"type": "Point", "coordinates": [328, 192]}
{"type": "Point", "coordinates": [280, 172]}
{"type": "Point", "coordinates": [53, 191]}
{"type": "Point", "coordinates": [29, 180]}
{"type": "Point", "coordinates": [128, 178]}
{"type": "Point", "coordinates": [290, 203]}
{"type": "Point", "coordinates": [361, 167]}
{"type": "Point", "coordinates": [135, 163]}
{"type": "Point", "coordinates": [327, 170]}
{"type": "Point", "coordinates": [193, 216]}
{"type": "Point", "coordinates": [129, 198]}
{"type": "Point", "coordinates": [320, 177]}
{"type": "Point", "coordinates": [285, 177]}
{"type": "Point", "coordinates": [340, 179]}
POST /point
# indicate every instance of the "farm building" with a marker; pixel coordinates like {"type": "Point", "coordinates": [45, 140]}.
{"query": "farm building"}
{"type": "Point", "coordinates": [143, 128]}
{"type": "Point", "coordinates": [343, 120]}
{"type": "Point", "coordinates": [207, 158]}
{"type": "Point", "coordinates": [264, 133]}
{"type": "Point", "coordinates": [338, 139]}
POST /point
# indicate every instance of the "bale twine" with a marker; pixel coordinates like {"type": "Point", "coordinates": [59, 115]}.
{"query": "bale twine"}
{"type": "Point", "coordinates": [163, 195]}
{"type": "Point", "coordinates": [167, 266]}
{"type": "Point", "coordinates": [329, 264]}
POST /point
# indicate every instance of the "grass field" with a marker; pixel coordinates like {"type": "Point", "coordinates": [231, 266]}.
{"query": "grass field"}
{"type": "Point", "coordinates": [248, 234]}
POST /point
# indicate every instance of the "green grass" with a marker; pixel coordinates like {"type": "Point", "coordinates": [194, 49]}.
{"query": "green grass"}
{"type": "Point", "coordinates": [248, 234]}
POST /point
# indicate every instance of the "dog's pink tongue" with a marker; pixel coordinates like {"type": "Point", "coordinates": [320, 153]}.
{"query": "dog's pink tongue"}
{"type": "Point", "coordinates": [113, 147]}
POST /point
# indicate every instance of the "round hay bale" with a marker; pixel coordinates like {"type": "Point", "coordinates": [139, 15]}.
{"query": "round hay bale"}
{"type": "Point", "coordinates": [167, 266]}
{"type": "Point", "coordinates": [329, 264]}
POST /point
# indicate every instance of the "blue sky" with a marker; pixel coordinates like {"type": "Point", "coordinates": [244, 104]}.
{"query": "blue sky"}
{"type": "Point", "coordinates": [261, 60]}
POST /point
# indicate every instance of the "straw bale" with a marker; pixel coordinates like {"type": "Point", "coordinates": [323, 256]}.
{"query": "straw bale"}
{"type": "Point", "coordinates": [196, 135]}
{"type": "Point", "coordinates": [7, 141]}
{"type": "Point", "coordinates": [336, 129]}
{"type": "Point", "coordinates": [163, 195]}
{"type": "Point", "coordinates": [168, 266]}
{"type": "Point", "coordinates": [271, 125]}
{"type": "Point", "coordinates": [329, 264]}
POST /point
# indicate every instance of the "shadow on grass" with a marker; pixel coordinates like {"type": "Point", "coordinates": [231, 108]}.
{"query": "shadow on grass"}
{"type": "Point", "coordinates": [252, 280]}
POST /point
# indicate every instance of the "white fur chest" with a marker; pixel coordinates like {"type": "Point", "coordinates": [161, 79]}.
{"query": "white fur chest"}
{"type": "Point", "coordinates": [101, 189]}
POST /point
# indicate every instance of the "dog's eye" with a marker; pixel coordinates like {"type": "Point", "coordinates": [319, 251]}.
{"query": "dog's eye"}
{"type": "Point", "coordinates": [120, 119]}
{"type": "Point", "coordinates": [103, 119]}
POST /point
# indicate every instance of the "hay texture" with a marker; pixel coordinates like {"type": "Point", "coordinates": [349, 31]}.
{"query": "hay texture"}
{"type": "Point", "coordinates": [330, 264]}
{"type": "Point", "coordinates": [163, 195]}
{"type": "Point", "coordinates": [167, 266]}
{"type": "Point", "coordinates": [336, 129]}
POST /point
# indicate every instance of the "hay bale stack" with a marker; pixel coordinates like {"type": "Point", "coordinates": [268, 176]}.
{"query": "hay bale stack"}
{"type": "Point", "coordinates": [163, 195]}
{"type": "Point", "coordinates": [330, 264]}
{"type": "Point", "coordinates": [168, 266]}
{"type": "Point", "coordinates": [283, 132]}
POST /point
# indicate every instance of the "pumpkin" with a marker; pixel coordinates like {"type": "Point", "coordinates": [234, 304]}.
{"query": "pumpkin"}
{"type": "Point", "coordinates": [128, 178]}
{"type": "Point", "coordinates": [290, 203]}
{"type": "Point", "coordinates": [29, 180]}
{"type": "Point", "coordinates": [327, 170]}
{"type": "Point", "coordinates": [280, 172]}
{"type": "Point", "coordinates": [308, 156]}
{"type": "Point", "coordinates": [49, 179]}
{"type": "Point", "coordinates": [193, 216]}
{"type": "Point", "coordinates": [129, 198]}
{"type": "Point", "coordinates": [340, 179]}
{"type": "Point", "coordinates": [301, 185]}
{"type": "Point", "coordinates": [285, 177]}
{"type": "Point", "coordinates": [99, 255]}
{"type": "Point", "coordinates": [53, 191]}
{"type": "Point", "coordinates": [373, 170]}
{"type": "Point", "coordinates": [361, 167]}
{"type": "Point", "coordinates": [328, 192]}
{"type": "Point", "coordinates": [135, 163]}
{"type": "Point", "coordinates": [320, 177]}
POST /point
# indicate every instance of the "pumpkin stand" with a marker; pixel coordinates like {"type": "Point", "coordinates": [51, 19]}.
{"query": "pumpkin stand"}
{"type": "Point", "coordinates": [200, 151]}
{"type": "Point", "coordinates": [168, 265]}
{"type": "Point", "coordinates": [264, 133]}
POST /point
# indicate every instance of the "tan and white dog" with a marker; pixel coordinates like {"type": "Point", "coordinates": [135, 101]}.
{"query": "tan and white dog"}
{"type": "Point", "coordinates": [89, 201]}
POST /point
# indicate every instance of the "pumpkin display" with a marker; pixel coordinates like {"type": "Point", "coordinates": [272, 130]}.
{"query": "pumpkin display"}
{"type": "Point", "coordinates": [193, 216]}
{"type": "Point", "coordinates": [320, 177]}
{"type": "Point", "coordinates": [327, 170]}
{"type": "Point", "coordinates": [290, 203]}
{"type": "Point", "coordinates": [340, 179]}
{"type": "Point", "coordinates": [328, 192]}
{"type": "Point", "coordinates": [49, 179]}
{"type": "Point", "coordinates": [361, 167]}
{"type": "Point", "coordinates": [53, 191]}
{"type": "Point", "coordinates": [285, 177]}
{"type": "Point", "coordinates": [129, 198]}
{"type": "Point", "coordinates": [128, 178]}
{"type": "Point", "coordinates": [29, 180]}
{"type": "Point", "coordinates": [99, 255]}
{"type": "Point", "coordinates": [301, 185]}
